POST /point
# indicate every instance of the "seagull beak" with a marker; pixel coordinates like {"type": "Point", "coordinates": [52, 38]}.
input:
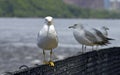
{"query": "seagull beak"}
{"type": "Point", "coordinates": [71, 27]}
{"type": "Point", "coordinates": [106, 28]}
{"type": "Point", "coordinates": [49, 22]}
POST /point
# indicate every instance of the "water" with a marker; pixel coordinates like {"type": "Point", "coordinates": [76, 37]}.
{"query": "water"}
{"type": "Point", "coordinates": [18, 39]}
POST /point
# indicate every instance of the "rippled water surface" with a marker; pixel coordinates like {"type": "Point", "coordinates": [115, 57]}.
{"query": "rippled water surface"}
{"type": "Point", "coordinates": [18, 39]}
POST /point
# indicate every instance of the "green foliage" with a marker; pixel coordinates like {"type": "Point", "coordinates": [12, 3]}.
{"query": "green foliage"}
{"type": "Point", "coordinates": [55, 8]}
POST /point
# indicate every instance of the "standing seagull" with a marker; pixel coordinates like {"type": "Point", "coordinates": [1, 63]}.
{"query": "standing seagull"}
{"type": "Point", "coordinates": [83, 36]}
{"type": "Point", "coordinates": [103, 35]}
{"type": "Point", "coordinates": [47, 39]}
{"type": "Point", "coordinates": [104, 31]}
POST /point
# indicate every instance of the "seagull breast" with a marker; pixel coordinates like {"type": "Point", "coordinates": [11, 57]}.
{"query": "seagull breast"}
{"type": "Point", "coordinates": [47, 37]}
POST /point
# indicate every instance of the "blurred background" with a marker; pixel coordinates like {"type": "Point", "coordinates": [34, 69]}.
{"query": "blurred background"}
{"type": "Point", "coordinates": [21, 20]}
{"type": "Point", "coordinates": [61, 8]}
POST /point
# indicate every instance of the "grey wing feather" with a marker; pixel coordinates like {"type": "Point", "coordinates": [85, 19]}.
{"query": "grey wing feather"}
{"type": "Point", "coordinates": [57, 38]}
{"type": "Point", "coordinates": [90, 36]}
{"type": "Point", "coordinates": [104, 39]}
{"type": "Point", "coordinates": [99, 34]}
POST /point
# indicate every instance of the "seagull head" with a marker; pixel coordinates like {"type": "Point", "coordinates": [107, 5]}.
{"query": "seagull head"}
{"type": "Point", "coordinates": [106, 28]}
{"type": "Point", "coordinates": [48, 20]}
{"type": "Point", "coordinates": [76, 26]}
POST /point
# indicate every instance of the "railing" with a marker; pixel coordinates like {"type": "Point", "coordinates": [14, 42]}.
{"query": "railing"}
{"type": "Point", "coordinates": [102, 62]}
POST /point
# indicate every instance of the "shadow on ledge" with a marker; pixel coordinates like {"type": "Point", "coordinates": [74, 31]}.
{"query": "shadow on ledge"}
{"type": "Point", "coordinates": [102, 62]}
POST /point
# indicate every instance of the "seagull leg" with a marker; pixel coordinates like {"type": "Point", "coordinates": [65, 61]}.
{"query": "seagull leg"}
{"type": "Point", "coordinates": [97, 47]}
{"type": "Point", "coordinates": [92, 48]}
{"type": "Point", "coordinates": [51, 55]}
{"type": "Point", "coordinates": [44, 61]}
{"type": "Point", "coordinates": [85, 48]}
{"type": "Point", "coordinates": [51, 63]}
{"type": "Point", "coordinates": [82, 49]}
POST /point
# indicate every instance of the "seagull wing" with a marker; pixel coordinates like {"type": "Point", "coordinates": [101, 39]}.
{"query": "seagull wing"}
{"type": "Point", "coordinates": [99, 34]}
{"type": "Point", "coordinates": [38, 36]}
{"type": "Point", "coordinates": [90, 36]}
{"type": "Point", "coordinates": [105, 40]}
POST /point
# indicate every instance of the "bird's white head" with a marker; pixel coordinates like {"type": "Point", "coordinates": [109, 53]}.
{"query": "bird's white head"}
{"type": "Point", "coordinates": [48, 20]}
{"type": "Point", "coordinates": [77, 26]}
{"type": "Point", "coordinates": [105, 28]}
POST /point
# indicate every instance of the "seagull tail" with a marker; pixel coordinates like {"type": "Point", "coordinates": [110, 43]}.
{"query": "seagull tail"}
{"type": "Point", "coordinates": [101, 43]}
{"type": "Point", "coordinates": [110, 39]}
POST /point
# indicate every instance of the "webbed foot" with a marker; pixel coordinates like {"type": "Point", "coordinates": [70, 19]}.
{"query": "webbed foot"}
{"type": "Point", "coordinates": [51, 63]}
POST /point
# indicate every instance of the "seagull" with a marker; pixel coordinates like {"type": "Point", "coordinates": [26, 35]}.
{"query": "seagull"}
{"type": "Point", "coordinates": [102, 36]}
{"type": "Point", "coordinates": [104, 31]}
{"type": "Point", "coordinates": [83, 36]}
{"type": "Point", "coordinates": [47, 39]}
